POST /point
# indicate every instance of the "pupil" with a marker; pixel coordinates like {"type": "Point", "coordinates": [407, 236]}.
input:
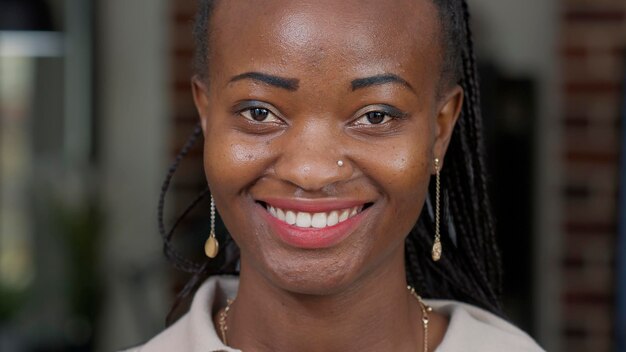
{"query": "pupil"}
{"type": "Point", "coordinates": [259, 114]}
{"type": "Point", "coordinates": [375, 117]}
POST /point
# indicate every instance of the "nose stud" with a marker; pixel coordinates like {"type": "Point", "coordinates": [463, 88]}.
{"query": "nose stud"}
{"type": "Point", "coordinates": [340, 163]}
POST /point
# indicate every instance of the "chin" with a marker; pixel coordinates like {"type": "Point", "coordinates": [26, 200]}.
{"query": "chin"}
{"type": "Point", "coordinates": [313, 272]}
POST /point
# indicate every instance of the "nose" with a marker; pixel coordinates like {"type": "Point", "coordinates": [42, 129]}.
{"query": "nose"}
{"type": "Point", "coordinates": [313, 158]}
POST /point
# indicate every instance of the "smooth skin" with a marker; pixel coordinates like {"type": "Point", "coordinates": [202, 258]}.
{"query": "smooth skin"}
{"type": "Point", "coordinates": [326, 80]}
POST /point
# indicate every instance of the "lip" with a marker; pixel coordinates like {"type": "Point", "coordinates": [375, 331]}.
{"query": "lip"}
{"type": "Point", "coordinates": [313, 238]}
{"type": "Point", "coordinates": [313, 205]}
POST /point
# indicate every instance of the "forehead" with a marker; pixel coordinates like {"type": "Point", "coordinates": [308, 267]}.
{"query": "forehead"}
{"type": "Point", "coordinates": [322, 35]}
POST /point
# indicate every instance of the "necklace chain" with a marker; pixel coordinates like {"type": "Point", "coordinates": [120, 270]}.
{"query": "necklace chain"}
{"type": "Point", "coordinates": [423, 306]}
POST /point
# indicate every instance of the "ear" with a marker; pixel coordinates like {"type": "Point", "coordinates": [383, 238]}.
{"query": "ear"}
{"type": "Point", "coordinates": [449, 110]}
{"type": "Point", "coordinates": [201, 100]}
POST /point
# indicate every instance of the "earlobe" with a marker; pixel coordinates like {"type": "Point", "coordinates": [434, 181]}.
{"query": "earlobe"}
{"type": "Point", "coordinates": [449, 113]}
{"type": "Point", "coordinates": [200, 99]}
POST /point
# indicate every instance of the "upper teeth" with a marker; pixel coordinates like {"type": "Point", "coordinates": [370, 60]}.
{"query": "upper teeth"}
{"type": "Point", "coordinates": [317, 220]}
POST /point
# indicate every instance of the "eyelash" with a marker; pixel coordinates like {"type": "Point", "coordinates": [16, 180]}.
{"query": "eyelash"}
{"type": "Point", "coordinates": [245, 108]}
{"type": "Point", "coordinates": [251, 118]}
{"type": "Point", "coordinates": [389, 114]}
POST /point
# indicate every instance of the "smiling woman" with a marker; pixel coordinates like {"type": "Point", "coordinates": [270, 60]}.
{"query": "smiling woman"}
{"type": "Point", "coordinates": [343, 153]}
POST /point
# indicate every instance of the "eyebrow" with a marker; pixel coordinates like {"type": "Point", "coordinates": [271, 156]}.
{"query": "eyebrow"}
{"type": "Point", "coordinates": [290, 84]}
{"type": "Point", "coordinates": [360, 83]}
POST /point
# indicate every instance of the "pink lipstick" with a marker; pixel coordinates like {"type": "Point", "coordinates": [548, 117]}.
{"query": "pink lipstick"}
{"type": "Point", "coordinates": [313, 224]}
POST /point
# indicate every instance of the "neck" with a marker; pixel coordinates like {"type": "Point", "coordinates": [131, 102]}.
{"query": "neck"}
{"type": "Point", "coordinates": [376, 313]}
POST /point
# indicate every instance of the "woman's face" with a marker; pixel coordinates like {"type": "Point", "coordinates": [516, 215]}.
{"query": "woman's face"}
{"type": "Point", "coordinates": [292, 88]}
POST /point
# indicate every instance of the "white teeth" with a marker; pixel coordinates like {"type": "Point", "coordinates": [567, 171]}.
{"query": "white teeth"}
{"type": "Point", "coordinates": [303, 220]}
{"type": "Point", "coordinates": [280, 214]}
{"type": "Point", "coordinates": [333, 218]}
{"type": "Point", "coordinates": [316, 220]}
{"type": "Point", "coordinates": [290, 217]}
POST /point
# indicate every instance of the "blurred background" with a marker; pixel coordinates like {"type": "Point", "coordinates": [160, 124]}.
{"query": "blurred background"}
{"type": "Point", "coordinates": [95, 102]}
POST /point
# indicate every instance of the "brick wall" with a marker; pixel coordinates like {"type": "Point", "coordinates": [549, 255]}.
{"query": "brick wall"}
{"type": "Point", "coordinates": [184, 115]}
{"type": "Point", "coordinates": [189, 179]}
{"type": "Point", "coordinates": [593, 42]}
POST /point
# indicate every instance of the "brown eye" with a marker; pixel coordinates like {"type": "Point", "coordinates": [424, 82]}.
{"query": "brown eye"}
{"type": "Point", "coordinates": [375, 117]}
{"type": "Point", "coordinates": [259, 115]}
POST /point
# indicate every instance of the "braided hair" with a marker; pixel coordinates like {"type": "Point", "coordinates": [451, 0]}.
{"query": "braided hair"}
{"type": "Point", "coordinates": [470, 270]}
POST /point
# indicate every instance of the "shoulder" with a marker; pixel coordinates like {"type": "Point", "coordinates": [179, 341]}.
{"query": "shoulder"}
{"type": "Point", "coordinates": [470, 328]}
{"type": "Point", "coordinates": [195, 332]}
{"type": "Point", "coordinates": [475, 329]}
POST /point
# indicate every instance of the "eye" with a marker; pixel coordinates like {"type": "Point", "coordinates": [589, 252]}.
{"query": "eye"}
{"type": "Point", "coordinates": [258, 114]}
{"type": "Point", "coordinates": [374, 118]}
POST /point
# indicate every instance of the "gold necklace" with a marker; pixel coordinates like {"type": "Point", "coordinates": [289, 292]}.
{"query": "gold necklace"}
{"type": "Point", "coordinates": [423, 306]}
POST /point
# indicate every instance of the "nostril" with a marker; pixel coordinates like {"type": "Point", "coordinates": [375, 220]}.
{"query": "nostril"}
{"type": "Point", "coordinates": [313, 169]}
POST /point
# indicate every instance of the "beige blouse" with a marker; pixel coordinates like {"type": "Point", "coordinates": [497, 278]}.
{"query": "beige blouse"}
{"type": "Point", "coordinates": [470, 328]}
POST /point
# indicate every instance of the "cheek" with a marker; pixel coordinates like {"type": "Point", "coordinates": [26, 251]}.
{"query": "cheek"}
{"type": "Point", "coordinates": [231, 160]}
{"type": "Point", "coordinates": [402, 173]}
{"type": "Point", "coordinates": [401, 168]}
{"type": "Point", "coordinates": [408, 175]}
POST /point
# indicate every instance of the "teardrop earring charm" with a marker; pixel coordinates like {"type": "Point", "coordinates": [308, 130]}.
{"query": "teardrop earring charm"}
{"type": "Point", "coordinates": [437, 249]}
{"type": "Point", "coordinates": [211, 246]}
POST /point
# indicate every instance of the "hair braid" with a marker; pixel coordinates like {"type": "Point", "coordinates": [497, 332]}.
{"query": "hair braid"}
{"type": "Point", "coordinates": [473, 267]}
{"type": "Point", "coordinates": [489, 239]}
{"type": "Point", "coordinates": [199, 270]}
{"type": "Point", "coordinates": [177, 260]}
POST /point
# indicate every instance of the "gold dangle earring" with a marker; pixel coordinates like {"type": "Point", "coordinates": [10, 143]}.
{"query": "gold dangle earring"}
{"type": "Point", "coordinates": [436, 252]}
{"type": "Point", "coordinates": [211, 246]}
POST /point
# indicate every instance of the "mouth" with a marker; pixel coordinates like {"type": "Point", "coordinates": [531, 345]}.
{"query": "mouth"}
{"type": "Point", "coordinates": [318, 220]}
{"type": "Point", "coordinates": [313, 225]}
